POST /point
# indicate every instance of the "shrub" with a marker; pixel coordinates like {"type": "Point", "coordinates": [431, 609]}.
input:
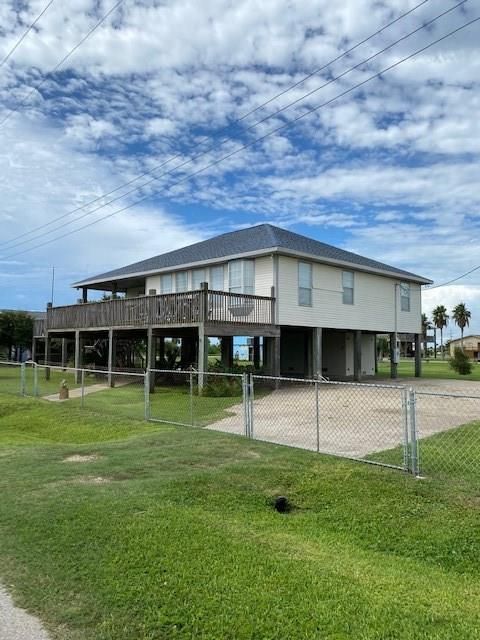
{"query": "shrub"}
{"type": "Point", "coordinates": [461, 362]}
{"type": "Point", "coordinates": [222, 388]}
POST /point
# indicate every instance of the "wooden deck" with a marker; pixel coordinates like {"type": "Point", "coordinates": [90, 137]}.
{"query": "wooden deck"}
{"type": "Point", "coordinates": [172, 309]}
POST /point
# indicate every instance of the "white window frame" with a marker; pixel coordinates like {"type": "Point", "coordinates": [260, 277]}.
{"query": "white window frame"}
{"type": "Point", "coordinates": [165, 277]}
{"type": "Point", "coordinates": [246, 281]}
{"type": "Point", "coordinates": [348, 292]}
{"type": "Point", "coordinates": [405, 296]}
{"type": "Point", "coordinates": [305, 293]}
{"type": "Point", "coordinates": [219, 269]}
{"type": "Point", "coordinates": [202, 279]}
{"type": "Point", "coordinates": [179, 288]}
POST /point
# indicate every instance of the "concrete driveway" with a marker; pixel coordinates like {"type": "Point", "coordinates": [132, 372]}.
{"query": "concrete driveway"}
{"type": "Point", "coordinates": [355, 420]}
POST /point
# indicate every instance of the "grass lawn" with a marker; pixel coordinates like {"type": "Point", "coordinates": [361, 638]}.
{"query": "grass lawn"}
{"type": "Point", "coordinates": [10, 380]}
{"type": "Point", "coordinates": [430, 369]}
{"type": "Point", "coordinates": [169, 533]}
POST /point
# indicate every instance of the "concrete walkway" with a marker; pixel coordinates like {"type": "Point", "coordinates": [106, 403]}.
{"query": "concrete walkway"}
{"type": "Point", "coordinates": [17, 624]}
{"type": "Point", "coordinates": [77, 393]}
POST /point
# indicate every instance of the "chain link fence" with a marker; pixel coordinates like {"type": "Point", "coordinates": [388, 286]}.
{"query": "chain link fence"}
{"type": "Point", "coordinates": [11, 378]}
{"type": "Point", "coordinates": [344, 419]}
{"type": "Point", "coordinates": [423, 432]}
{"type": "Point", "coordinates": [448, 434]}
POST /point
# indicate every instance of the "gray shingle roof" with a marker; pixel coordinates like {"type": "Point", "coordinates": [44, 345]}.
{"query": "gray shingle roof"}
{"type": "Point", "coordinates": [251, 239]}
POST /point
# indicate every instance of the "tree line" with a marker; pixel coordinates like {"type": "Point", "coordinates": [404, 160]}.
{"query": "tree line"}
{"type": "Point", "coordinates": [440, 318]}
{"type": "Point", "coordinates": [16, 332]}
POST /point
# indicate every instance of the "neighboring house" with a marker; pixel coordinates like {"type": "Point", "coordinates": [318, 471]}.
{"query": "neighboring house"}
{"type": "Point", "coordinates": [312, 309]}
{"type": "Point", "coordinates": [471, 346]}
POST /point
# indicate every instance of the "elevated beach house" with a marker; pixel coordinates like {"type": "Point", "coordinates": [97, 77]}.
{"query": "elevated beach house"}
{"type": "Point", "coordinates": [310, 309]}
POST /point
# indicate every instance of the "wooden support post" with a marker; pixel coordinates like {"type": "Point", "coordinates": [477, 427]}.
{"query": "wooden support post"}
{"type": "Point", "coordinates": [151, 357]}
{"type": "Point", "coordinates": [204, 302]}
{"type": "Point", "coordinates": [226, 347]}
{"type": "Point", "coordinates": [78, 357]}
{"type": "Point", "coordinates": [48, 354]}
{"type": "Point", "coordinates": [161, 351]}
{"type": "Point", "coordinates": [256, 353]}
{"type": "Point", "coordinates": [84, 294]}
{"type": "Point", "coordinates": [394, 355]}
{"type": "Point", "coordinates": [202, 355]}
{"type": "Point", "coordinates": [418, 355]}
{"type": "Point", "coordinates": [34, 350]}
{"type": "Point", "coordinates": [276, 356]}
{"type": "Point", "coordinates": [64, 352]}
{"type": "Point", "coordinates": [273, 318]}
{"type": "Point", "coordinates": [317, 352]}
{"type": "Point", "coordinates": [112, 355]}
{"type": "Point", "coordinates": [357, 355]}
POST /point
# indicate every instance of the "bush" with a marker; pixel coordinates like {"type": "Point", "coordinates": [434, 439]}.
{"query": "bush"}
{"type": "Point", "coordinates": [222, 388]}
{"type": "Point", "coordinates": [461, 362]}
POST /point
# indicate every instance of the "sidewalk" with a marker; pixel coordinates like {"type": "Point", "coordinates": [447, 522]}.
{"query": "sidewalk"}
{"type": "Point", "coordinates": [17, 624]}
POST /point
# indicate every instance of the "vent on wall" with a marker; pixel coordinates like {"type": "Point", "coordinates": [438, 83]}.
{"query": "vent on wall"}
{"type": "Point", "coordinates": [152, 292]}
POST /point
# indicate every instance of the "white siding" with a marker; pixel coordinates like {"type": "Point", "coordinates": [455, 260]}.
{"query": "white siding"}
{"type": "Point", "coordinates": [152, 282]}
{"type": "Point", "coordinates": [373, 308]}
{"type": "Point", "coordinates": [264, 276]}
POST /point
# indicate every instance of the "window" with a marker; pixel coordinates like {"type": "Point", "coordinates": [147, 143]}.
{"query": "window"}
{"type": "Point", "coordinates": [181, 281]}
{"type": "Point", "coordinates": [216, 281]}
{"type": "Point", "coordinates": [347, 284]}
{"type": "Point", "coordinates": [198, 276]}
{"type": "Point", "coordinates": [305, 284]}
{"type": "Point", "coordinates": [404, 296]}
{"type": "Point", "coordinates": [166, 283]}
{"type": "Point", "coordinates": [241, 276]}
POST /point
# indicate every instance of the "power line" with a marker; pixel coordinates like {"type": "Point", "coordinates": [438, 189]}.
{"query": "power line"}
{"type": "Point", "coordinates": [25, 34]}
{"type": "Point", "coordinates": [215, 146]}
{"type": "Point", "coordinates": [59, 64]}
{"type": "Point", "coordinates": [206, 139]}
{"type": "Point", "coordinates": [260, 139]}
{"type": "Point", "coordinates": [444, 284]}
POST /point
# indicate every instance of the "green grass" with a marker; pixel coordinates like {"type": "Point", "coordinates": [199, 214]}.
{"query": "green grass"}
{"type": "Point", "coordinates": [10, 380]}
{"type": "Point", "coordinates": [169, 533]}
{"type": "Point", "coordinates": [430, 369]}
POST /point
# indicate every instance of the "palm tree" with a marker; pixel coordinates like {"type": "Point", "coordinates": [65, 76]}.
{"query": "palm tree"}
{"type": "Point", "coordinates": [426, 325]}
{"type": "Point", "coordinates": [440, 320]}
{"type": "Point", "coordinates": [462, 316]}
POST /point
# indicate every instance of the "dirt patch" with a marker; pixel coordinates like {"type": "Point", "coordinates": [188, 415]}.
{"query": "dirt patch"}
{"type": "Point", "coordinates": [91, 457]}
{"type": "Point", "coordinates": [92, 480]}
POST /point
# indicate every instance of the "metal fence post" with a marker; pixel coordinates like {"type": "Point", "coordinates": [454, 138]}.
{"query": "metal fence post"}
{"type": "Point", "coordinates": [22, 379]}
{"type": "Point", "coordinates": [413, 433]}
{"type": "Point", "coordinates": [146, 389]}
{"type": "Point", "coordinates": [192, 419]}
{"type": "Point", "coordinates": [35, 380]}
{"type": "Point", "coordinates": [250, 398]}
{"type": "Point", "coordinates": [317, 416]}
{"type": "Point", "coordinates": [406, 439]}
{"type": "Point", "coordinates": [82, 382]}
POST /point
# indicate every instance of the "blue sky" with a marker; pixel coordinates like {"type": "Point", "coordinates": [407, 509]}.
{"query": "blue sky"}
{"type": "Point", "coordinates": [390, 171]}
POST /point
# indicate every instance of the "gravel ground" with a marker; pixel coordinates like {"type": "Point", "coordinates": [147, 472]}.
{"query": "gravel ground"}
{"type": "Point", "coordinates": [17, 624]}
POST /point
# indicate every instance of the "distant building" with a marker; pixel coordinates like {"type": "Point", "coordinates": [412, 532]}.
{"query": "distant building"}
{"type": "Point", "coordinates": [471, 346]}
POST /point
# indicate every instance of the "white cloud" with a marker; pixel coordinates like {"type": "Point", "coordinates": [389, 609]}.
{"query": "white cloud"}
{"type": "Point", "coordinates": [391, 171]}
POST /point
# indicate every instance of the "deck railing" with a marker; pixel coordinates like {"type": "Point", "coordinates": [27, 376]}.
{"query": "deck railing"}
{"type": "Point", "coordinates": [167, 309]}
